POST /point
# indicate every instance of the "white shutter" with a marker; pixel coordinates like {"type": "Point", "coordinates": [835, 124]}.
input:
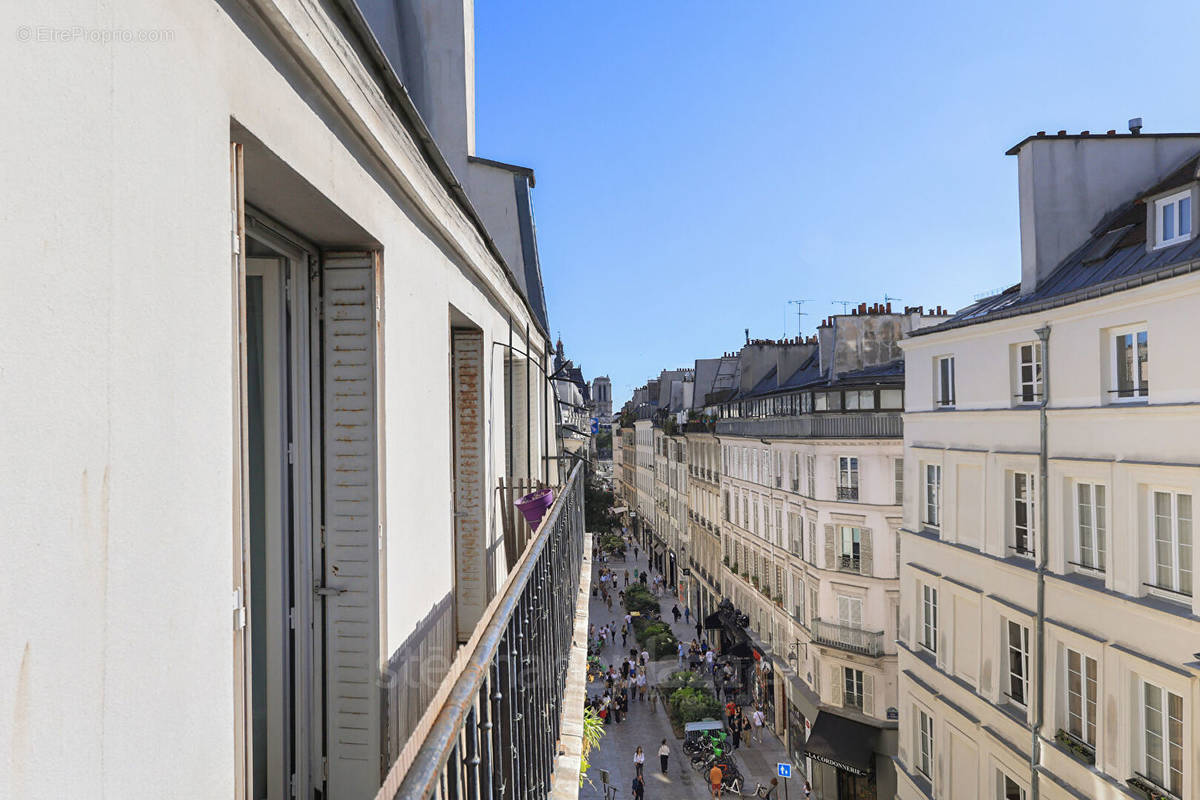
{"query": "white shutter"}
{"type": "Point", "coordinates": [836, 678]}
{"type": "Point", "coordinates": [868, 694]}
{"type": "Point", "coordinates": [351, 528]}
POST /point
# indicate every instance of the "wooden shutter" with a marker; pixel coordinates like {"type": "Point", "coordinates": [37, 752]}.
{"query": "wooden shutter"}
{"type": "Point", "coordinates": [830, 558]}
{"type": "Point", "coordinates": [351, 532]}
{"type": "Point", "coordinates": [865, 552]}
{"type": "Point", "coordinates": [472, 584]}
{"type": "Point", "coordinates": [868, 694]}
{"type": "Point", "coordinates": [835, 685]}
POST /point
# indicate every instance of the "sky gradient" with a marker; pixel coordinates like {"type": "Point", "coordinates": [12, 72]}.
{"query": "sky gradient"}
{"type": "Point", "coordinates": [699, 164]}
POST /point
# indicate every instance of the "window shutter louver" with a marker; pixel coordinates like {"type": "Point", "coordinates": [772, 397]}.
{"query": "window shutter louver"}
{"type": "Point", "coordinates": [351, 526]}
{"type": "Point", "coordinates": [865, 551]}
{"type": "Point", "coordinates": [835, 684]}
{"type": "Point", "coordinates": [868, 695]}
{"type": "Point", "coordinates": [830, 559]}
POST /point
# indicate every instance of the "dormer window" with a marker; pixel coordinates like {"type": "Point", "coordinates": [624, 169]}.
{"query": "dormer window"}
{"type": "Point", "coordinates": [1174, 215]}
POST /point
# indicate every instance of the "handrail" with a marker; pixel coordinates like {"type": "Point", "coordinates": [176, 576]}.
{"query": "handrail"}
{"type": "Point", "coordinates": [513, 625]}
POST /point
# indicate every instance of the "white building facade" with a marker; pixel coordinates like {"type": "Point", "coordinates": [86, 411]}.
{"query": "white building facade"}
{"type": "Point", "coordinates": [254, 498]}
{"type": "Point", "coordinates": [1049, 619]}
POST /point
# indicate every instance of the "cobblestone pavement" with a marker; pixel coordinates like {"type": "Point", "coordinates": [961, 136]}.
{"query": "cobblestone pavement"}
{"type": "Point", "coordinates": [646, 727]}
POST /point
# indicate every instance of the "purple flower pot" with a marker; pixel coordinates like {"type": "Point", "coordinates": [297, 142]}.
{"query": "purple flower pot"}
{"type": "Point", "coordinates": [534, 505]}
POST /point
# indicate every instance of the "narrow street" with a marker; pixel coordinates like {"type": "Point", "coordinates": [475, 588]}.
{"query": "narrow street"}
{"type": "Point", "coordinates": [647, 728]}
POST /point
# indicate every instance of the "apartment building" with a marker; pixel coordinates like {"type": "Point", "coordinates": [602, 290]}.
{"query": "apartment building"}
{"type": "Point", "coordinates": [1049, 627]}
{"type": "Point", "coordinates": [276, 336]}
{"type": "Point", "coordinates": [703, 453]}
{"type": "Point", "coordinates": [811, 482]}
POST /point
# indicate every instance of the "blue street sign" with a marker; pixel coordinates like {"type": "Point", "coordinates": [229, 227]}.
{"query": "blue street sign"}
{"type": "Point", "coordinates": [785, 770]}
{"type": "Point", "coordinates": [595, 426]}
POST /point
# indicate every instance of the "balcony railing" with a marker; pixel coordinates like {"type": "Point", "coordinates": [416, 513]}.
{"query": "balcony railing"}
{"type": "Point", "coordinates": [845, 637]}
{"type": "Point", "coordinates": [847, 493]}
{"type": "Point", "coordinates": [495, 732]}
{"type": "Point", "coordinates": [877, 425]}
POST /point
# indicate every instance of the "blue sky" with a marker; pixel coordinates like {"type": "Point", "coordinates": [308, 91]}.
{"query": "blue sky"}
{"type": "Point", "coordinates": [699, 164]}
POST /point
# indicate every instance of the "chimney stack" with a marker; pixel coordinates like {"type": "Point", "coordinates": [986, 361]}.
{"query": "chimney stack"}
{"type": "Point", "coordinates": [1135, 126]}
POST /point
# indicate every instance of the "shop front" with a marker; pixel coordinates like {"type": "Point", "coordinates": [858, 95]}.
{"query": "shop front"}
{"type": "Point", "coordinates": [763, 685]}
{"type": "Point", "coordinates": [843, 752]}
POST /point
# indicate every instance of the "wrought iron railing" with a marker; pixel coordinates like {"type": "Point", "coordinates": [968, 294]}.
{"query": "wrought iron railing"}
{"type": "Point", "coordinates": [845, 637]}
{"type": "Point", "coordinates": [871, 425]}
{"type": "Point", "coordinates": [495, 734]}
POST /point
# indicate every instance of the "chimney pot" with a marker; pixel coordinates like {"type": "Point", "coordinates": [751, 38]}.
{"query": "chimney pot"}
{"type": "Point", "coordinates": [1112, 132]}
{"type": "Point", "coordinates": [1135, 126]}
{"type": "Point", "coordinates": [1085, 133]}
{"type": "Point", "coordinates": [1041, 133]}
{"type": "Point", "coordinates": [1062, 133]}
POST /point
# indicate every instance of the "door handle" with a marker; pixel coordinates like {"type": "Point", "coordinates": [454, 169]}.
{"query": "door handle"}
{"type": "Point", "coordinates": [326, 591]}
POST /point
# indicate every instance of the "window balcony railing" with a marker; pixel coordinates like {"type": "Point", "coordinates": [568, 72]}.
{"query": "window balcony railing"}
{"type": "Point", "coordinates": [496, 730]}
{"type": "Point", "coordinates": [844, 637]}
{"type": "Point", "coordinates": [869, 425]}
{"type": "Point", "coordinates": [847, 493]}
{"type": "Point", "coordinates": [849, 563]}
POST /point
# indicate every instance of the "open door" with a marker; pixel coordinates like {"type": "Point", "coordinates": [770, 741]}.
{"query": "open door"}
{"type": "Point", "coordinates": [352, 538]}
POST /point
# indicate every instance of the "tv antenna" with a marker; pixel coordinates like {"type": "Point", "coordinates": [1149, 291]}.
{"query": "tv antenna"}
{"type": "Point", "coordinates": [799, 313]}
{"type": "Point", "coordinates": [888, 298]}
{"type": "Point", "coordinates": [845, 304]}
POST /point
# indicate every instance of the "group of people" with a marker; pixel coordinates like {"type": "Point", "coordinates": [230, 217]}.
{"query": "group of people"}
{"type": "Point", "coordinates": [639, 762]}
{"type": "Point", "coordinates": [623, 686]}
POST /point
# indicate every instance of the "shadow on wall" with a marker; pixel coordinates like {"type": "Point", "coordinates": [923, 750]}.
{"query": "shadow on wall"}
{"type": "Point", "coordinates": [414, 673]}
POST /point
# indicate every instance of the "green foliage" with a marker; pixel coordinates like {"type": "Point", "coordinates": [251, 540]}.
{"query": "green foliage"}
{"type": "Point", "coordinates": [597, 506]}
{"type": "Point", "coordinates": [692, 704]}
{"type": "Point", "coordinates": [593, 729]}
{"type": "Point", "coordinates": [683, 679]}
{"type": "Point", "coordinates": [660, 645]}
{"type": "Point", "coordinates": [638, 598]}
{"type": "Point", "coordinates": [611, 542]}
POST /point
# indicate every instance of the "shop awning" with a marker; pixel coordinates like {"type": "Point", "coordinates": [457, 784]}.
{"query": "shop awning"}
{"type": "Point", "coordinates": [843, 743]}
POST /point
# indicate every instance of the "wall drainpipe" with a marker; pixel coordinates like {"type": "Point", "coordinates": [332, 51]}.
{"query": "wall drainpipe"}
{"type": "Point", "coordinates": [1039, 621]}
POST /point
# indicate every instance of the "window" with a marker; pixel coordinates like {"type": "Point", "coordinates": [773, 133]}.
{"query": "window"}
{"type": "Point", "coordinates": [1090, 524]}
{"type": "Point", "coordinates": [891, 398]}
{"type": "Point", "coordinates": [798, 599]}
{"type": "Point", "coordinates": [898, 480]}
{"type": "Point", "coordinates": [727, 505]}
{"type": "Point", "coordinates": [812, 541]}
{"type": "Point", "coordinates": [778, 469]}
{"type": "Point", "coordinates": [847, 478]}
{"type": "Point", "coordinates": [746, 511]}
{"type": "Point", "coordinates": [944, 372]}
{"type": "Point", "coordinates": [1081, 698]}
{"type": "Point", "coordinates": [813, 607]}
{"type": "Point", "coordinates": [779, 527]}
{"type": "Point", "coordinates": [1131, 365]}
{"type": "Point", "coordinates": [811, 470]}
{"type": "Point", "coordinates": [1022, 530]}
{"type": "Point", "coordinates": [923, 751]}
{"type": "Point", "coordinates": [1172, 525]}
{"type": "Point", "coordinates": [795, 472]}
{"type": "Point", "coordinates": [795, 534]}
{"type": "Point", "coordinates": [1007, 788]}
{"type": "Point", "coordinates": [929, 618]}
{"type": "Point", "coordinates": [1174, 218]}
{"type": "Point", "coordinates": [1162, 743]}
{"type": "Point", "coordinates": [1029, 372]}
{"type": "Point", "coordinates": [933, 495]}
{"type": "Point", "coordinates": [859, 399]}
{"type": "Point", "coordinates": [858, 690]}
{"type": "Point", "coordinates": [850, 549]}
{"type": "Point", "coordinates": [1017, 644]}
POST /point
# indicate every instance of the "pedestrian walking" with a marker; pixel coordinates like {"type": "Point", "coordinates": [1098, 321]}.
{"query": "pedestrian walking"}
{"type": "Point", "coordinates": [746, 730]}
{"type": "Point", "coordinates": [759, 719]}
{"type": "Point", "coordinates": [641, 686]}
{"type": "Point", "coordinates": [645, 657]}
{"type": "Point", "coordinates": [635, 552]}
{"type": "Point", "coordinates": [639, 787]}
{"type": "Point", "coordinates": [639, 760]}
{"type": "Point", "coordinates": [664, 753]}
{"type": "Point", "coordinates": [709, 658]}
{"type": "Point", "coordinates": [681, 651]}
{"type": "Point", "coordinates": [608, 600]}
{"type": "Point", "coordinates": [807, 790]}
{"type": "Point", "coordinates": [653, 701]}
{"type": "Point", "coordinates": [735, 730]}
{"type": "Point", "coordinates": [699, 629]}
{"type": "Point", "coordinates": [626, 577]}
{"type": "Point", "coordinates": [687, 618]}
{"type": "Point", "coordinates": [675, 612]}
{"type": "Point", "coordinates": [624, 635]}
